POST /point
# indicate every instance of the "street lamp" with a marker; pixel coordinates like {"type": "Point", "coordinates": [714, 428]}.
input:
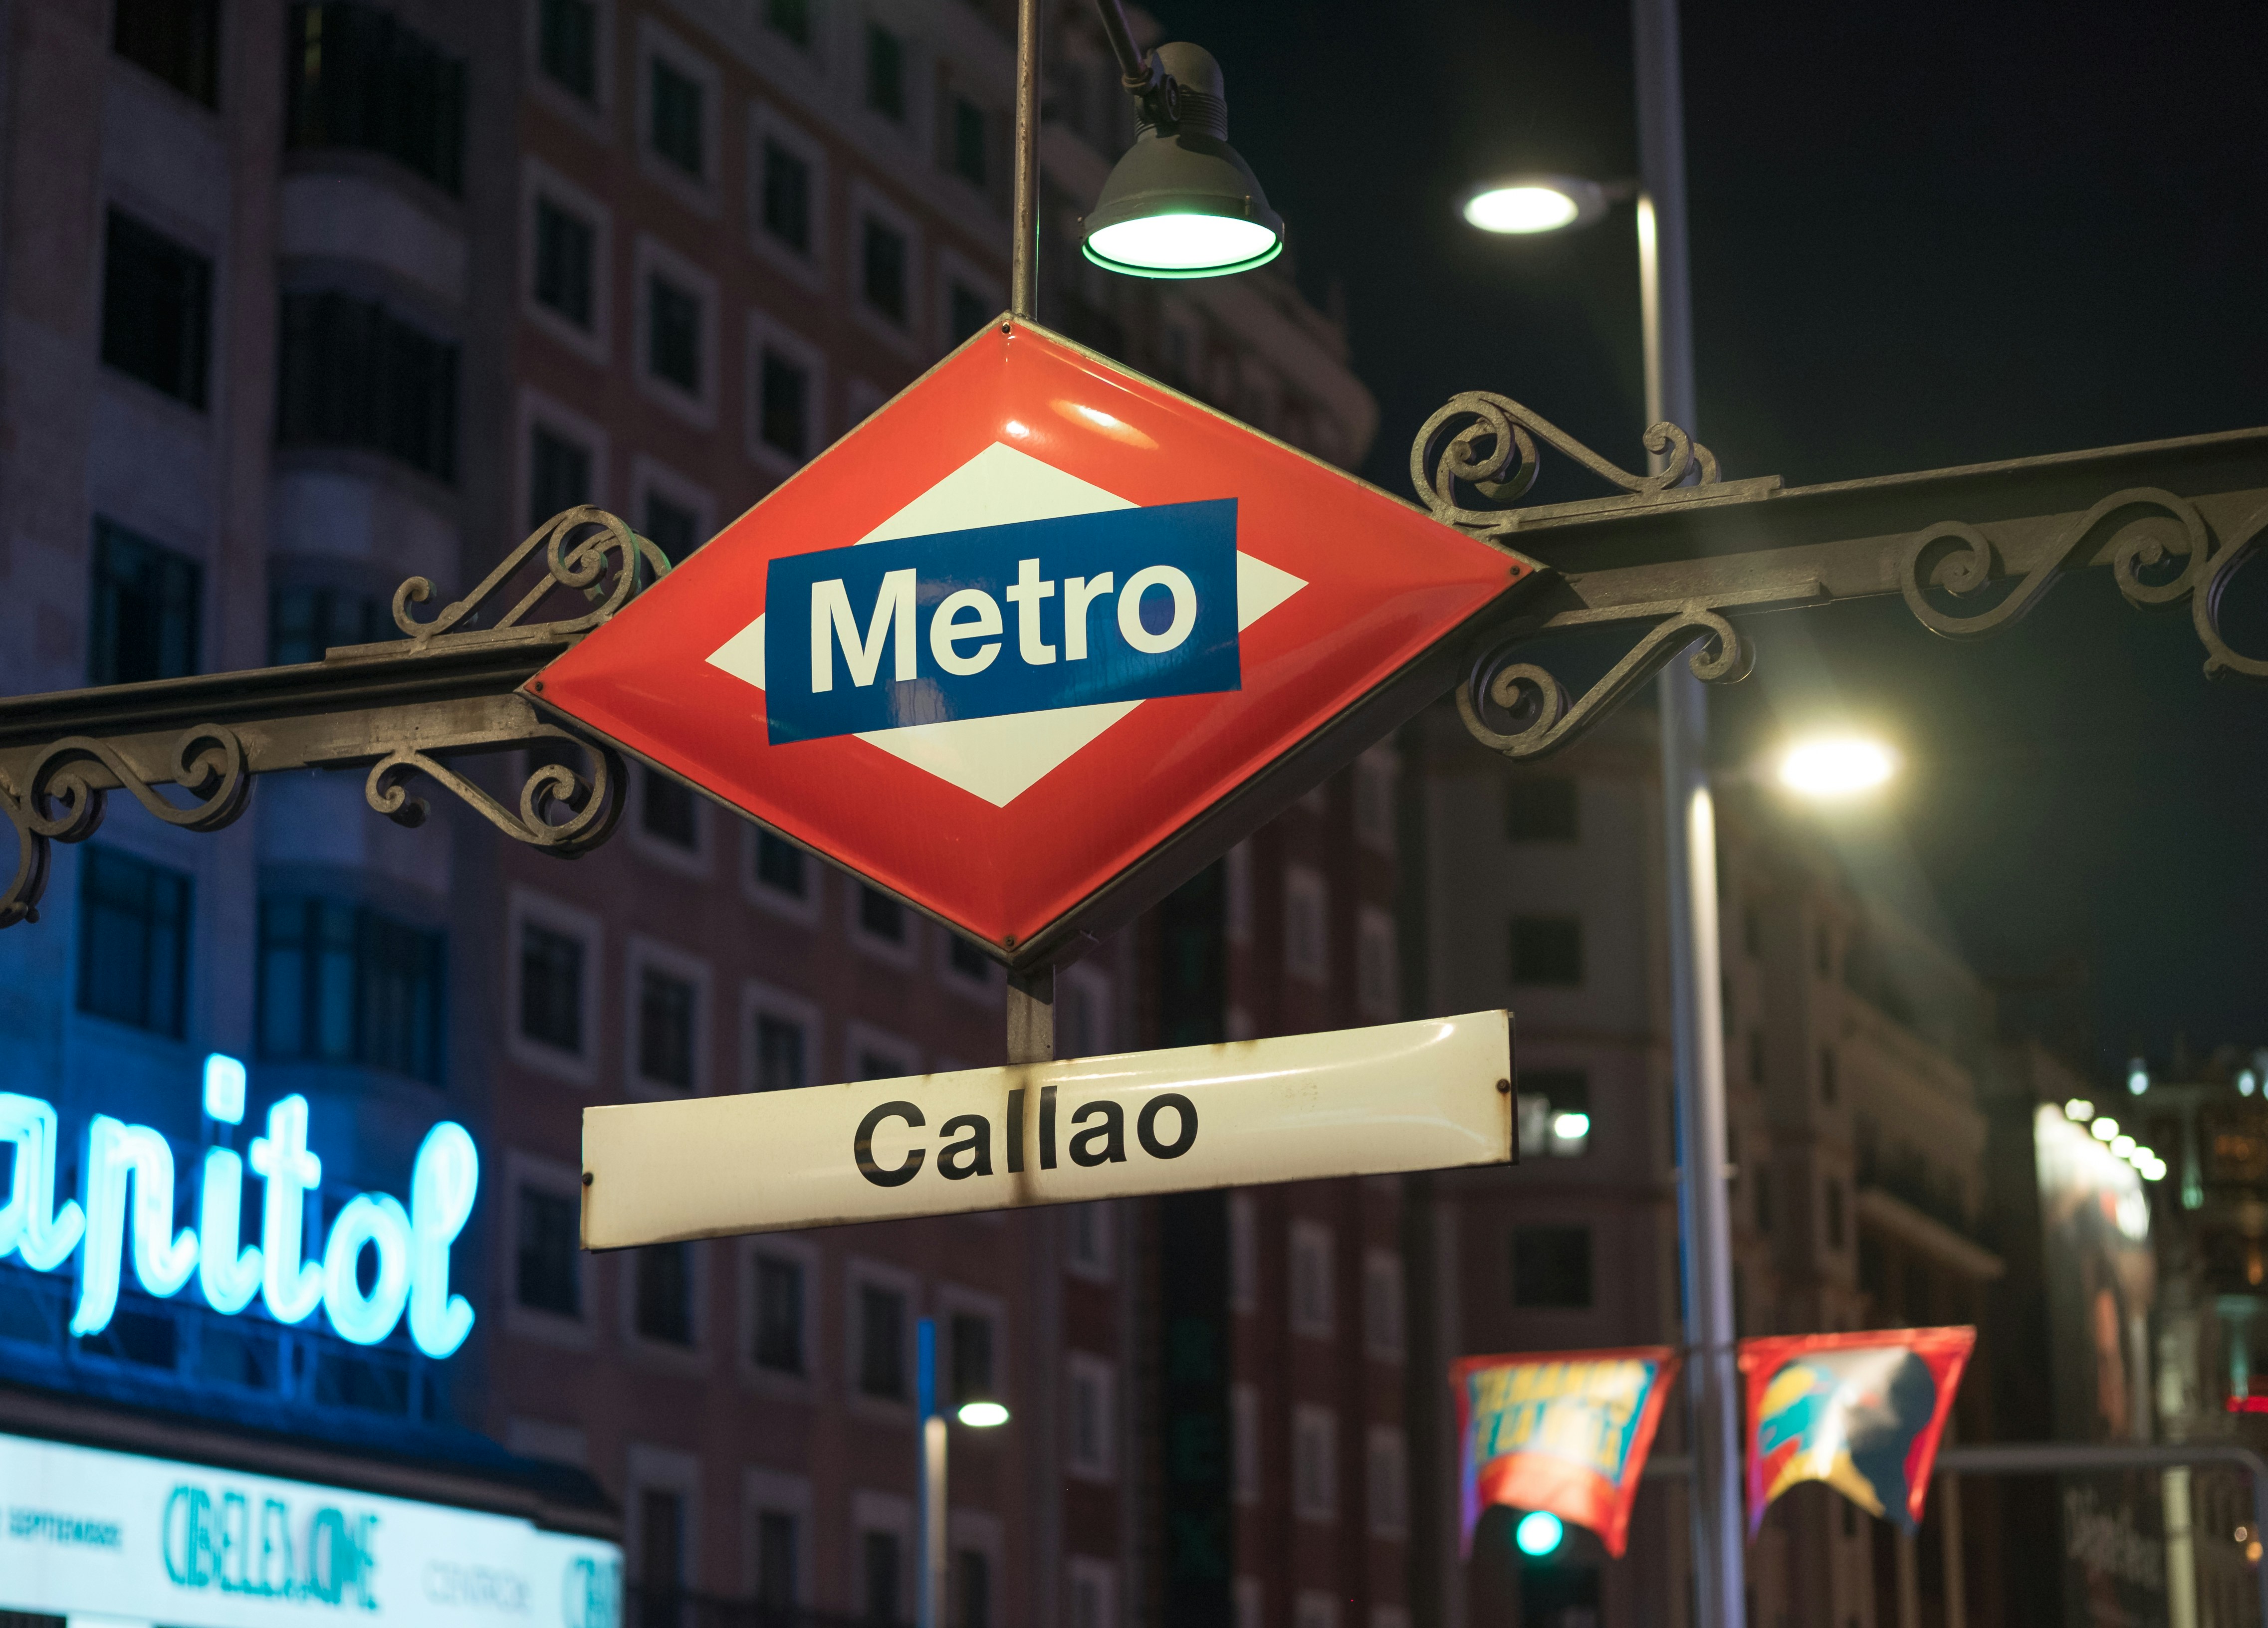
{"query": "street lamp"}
{"type": "Point", "coordinates": [1522, 205]}
{"type": "Point", "coordinates": [981, 1413]}
{"type": "Point", "coordinates": [1835, 766]}
{"type": "Point", "coordinates": [1181, 202]}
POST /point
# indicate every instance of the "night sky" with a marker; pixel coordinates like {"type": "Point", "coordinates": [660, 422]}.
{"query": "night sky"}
{"type": "Point", "coordinates": [1923, 234]}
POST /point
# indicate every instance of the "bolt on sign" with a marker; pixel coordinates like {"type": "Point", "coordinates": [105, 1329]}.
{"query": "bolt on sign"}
{"type": "Point", "coordinates": [1404, 1096]}
{"type": "Point", "coordinates": [1036, 642]}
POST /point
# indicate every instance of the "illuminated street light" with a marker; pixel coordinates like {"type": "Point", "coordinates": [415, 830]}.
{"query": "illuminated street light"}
{"type": "Point", "coordinates": [982, 1415]}
{"type": "Point", "coordinates": [1571, 1127]}
{"type": "Point", "coordinates": [1835, 766]}
{"type": "Point", "coordinates": [2122, 1146]}
{"type": "Point", "coordinates": [1524, 205]}
{"type": "Point", "coordinates": [2137, 1077]}
{"type": "Point", "coordinates": [2105, 1128]}
{"type": "Point", "coordinates": [1538, 1533]}
{"type": "Point", "coordinates": [2247, 1082]}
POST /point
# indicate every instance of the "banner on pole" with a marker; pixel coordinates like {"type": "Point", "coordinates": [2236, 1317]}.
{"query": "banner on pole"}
{"type": "Point", "coordinates": [1861, 1412]}
{"type": "Point", "coordinates": [1567, 1431]}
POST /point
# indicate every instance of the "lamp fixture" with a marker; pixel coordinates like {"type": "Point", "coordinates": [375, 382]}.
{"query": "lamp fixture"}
{"type": "Point", "coordinates": [1528, 205]}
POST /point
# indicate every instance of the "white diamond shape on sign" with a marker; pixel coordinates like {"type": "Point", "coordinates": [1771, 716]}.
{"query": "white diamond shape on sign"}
{"type": "Point", "coordinates": [1000, 759]}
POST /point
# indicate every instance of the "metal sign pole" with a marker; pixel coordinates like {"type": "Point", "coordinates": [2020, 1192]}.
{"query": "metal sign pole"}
{"type": "Point", "coordinates": [1024, 255]}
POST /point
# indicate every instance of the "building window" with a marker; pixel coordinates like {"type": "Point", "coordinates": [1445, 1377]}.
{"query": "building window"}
{"type": "Point", "coordinates": [1539, 808]}
{"type": "Point", "coordinates": [791, 19]}
{"type": "Point", "coordinates": [666, 1028]}
{"type": "Point", "coordinates": [670, 811]}
{"type": "Point", "coordinates": [1381, 1305]}
{"type": "Point", "coordinates": [1547, 950]}
{"type": "Point", "coordinates": [676, 530]}
{"type": "Point", "coordinates": [784, 405]}
{"type": "Point", "coordinates": [360, 80]}
{"type": "Point", "coordinates": [1312, 1608]}
{"type": "Point", "coordinates": [1377, 967]}
{"type": "Point", "coordinates": [665, 1293]}
{"type": "Point", "coordinates": [882, 916]}
{"type": "Point", "coordinates": [352, 375]}
{"type": "Point", "coordinates": [967, 961]}
{"type": "Point", "coordinates": [1087, 1241]}
{"type": "Point", "coordinates": [178, 40]}
{"type": "Point", "coordinates": [565, 252]}
{"type": "Point", "coordinates": [968, 312]}
{"type": "Point", "coordinates": [882, 262]}
{"type": "Point", "coordinates": [551, 987]}
{"type": "Point", "coordinates": [344, 983]}
{"type": "Point", "coordinates": [567, 45]}
{"type": "Point", "coordinates": [1834, 1213]}
{"type": "Point", "coordinates": [1243, 1252]}
{"type": "Point", "coordinates": [881, 1342]}
{"type": "Point", "coordinates": [779, 1054]}
{"type": "Point", "coordinates": [549, 1276]}
{"type": "Point", "coordinates": [133, 941]}
{"type": "Point", "coordinates": [1555, 1113]}
{"type": "Point", "coordinates": [1388, 1484]}
{"type": "Point", "coordinates": [877, 1577]}
{"type": "Point", "coordinates": [662, 1551]}
{"type": "Point", "coordinates": [558, 476]}
{"type": "Point", "coordinates": [144, 614]}
{"type": "Point", "coordinates": [1094, 1593]}
{"type": "Point", "coordinates": [673, 334]}
{"type": "Point", "coordinates": [156, 309]}
{"type": "Point", "coordinates": [974, 1577]}
{"type": "Point", "coordinates": [787, 197]}
{"type": "Point", "coordinates": [1306, 929]}
{"type": "Point", "coordinates": [1093, 1436]}
{"type": "Point", "coordinates": [782, 867]}
{"type": "Point", "coordinates": [676, 131]}
{"type": "Point", "coordinates": [971, 145]}
{"type": "Point", "coordinates": [1827, 1075]}
{"type": "Point", "coordinates": [1551, 1268]}
{"type": "Point", "coordinates": [1375, 773]}
{"type": "Point", "coordinates": [779, 1333]}
{"type": "Point", "coordinates": [777, 1585]}
{"type": "Point", "coordinates": [972, 1358]}
{"type": "Point", "coordinates": [1314, 1464]}
{"type": "Point", "coordinates": [1312, 1308]}
{"type": "Point", "coordinates": [305, 622]}
{"type": "Point", "coordinates": [886, 72]}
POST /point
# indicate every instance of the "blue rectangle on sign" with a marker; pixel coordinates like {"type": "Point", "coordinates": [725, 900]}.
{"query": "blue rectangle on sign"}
{"type": "Point", "coordinates": [1001, 620]}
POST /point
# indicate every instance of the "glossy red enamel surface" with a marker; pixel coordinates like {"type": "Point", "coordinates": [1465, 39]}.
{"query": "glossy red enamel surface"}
{"type": "Point", "coordinates": [1382, 582]}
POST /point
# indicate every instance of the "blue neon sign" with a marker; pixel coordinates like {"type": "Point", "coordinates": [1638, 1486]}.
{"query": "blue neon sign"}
{"type": "Point", "coordinates": [126, 1212]}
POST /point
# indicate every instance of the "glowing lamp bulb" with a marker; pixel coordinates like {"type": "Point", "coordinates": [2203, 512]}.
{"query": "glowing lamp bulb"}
{"type": "Point", "coordinates": [1538, 1533]}
{"type": "Point", "coordinates": [983, 1415]}
{"type": "Point", "coordinates": [2105, 1129]}
{"type": "Point", "coordinates": [1520, 209]}
{"type": "Point", "coordinates": [2247, 1082]}
{"type": "Point", "coordinates": [1841, 766]}
{"type": "Point", "coordinates": [1178, 245]}
{"type": "Point", "coordinates": [2122, 1146]}
{"type": "Point", "coordinates": [1570, 1127]}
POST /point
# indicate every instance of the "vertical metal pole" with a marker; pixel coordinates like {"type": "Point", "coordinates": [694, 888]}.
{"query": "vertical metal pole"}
{"type": "Point", "coordinates": [1032, 1017]}
{"type": "Point", "coordinates": [929, 1611]}
{"type": "Point", "coordinates": [1691, 832]}
{"type": "Point", "coordinates": [1024, 256]}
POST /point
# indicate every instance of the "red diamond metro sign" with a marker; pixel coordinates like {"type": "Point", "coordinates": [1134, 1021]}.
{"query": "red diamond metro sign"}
{"type": "Point", "coordinates": [1034, 643]}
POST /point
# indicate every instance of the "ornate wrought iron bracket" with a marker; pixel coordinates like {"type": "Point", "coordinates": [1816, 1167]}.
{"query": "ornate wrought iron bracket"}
{"type": "Point", "coordinates": [406, 707]}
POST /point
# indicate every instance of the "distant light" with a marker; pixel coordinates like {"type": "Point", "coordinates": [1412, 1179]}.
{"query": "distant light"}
{"type": "Point", "coordinates": [2247, 1082]}
{"type": "Point", "coordinates": [1181, 244]}
{"type": "Point", "coordinates": [1538, 1533]}
{"type": "Point", "coordinates": [2105, 1128]}
{"type": "Point", "coordinates": [2137, 1077]}
{"type": "Point", "coordinates": [1840, 766]}
{"type": "Point", "coordinates": [2122, 1146]}
{"type": "Point", "coordinates": [983, 1415]}
{"type": "Point", "coordinates": [1533, 207]}
{"type": "Point", "coordinates": [2079, 1109]}
{"type": "Point", "coordinates": [1571, 1127]}
{"type": "Point", "coordinates": [225, 1089]}
{"type": "Point", "coordinates": [2155, 1171]}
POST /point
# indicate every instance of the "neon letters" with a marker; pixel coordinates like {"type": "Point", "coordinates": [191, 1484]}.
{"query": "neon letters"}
{"type": "Point", "coordinates": [127, 1208]}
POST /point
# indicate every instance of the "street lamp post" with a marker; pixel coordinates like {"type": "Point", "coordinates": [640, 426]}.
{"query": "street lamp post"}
{"type": "Point", "coordinates": [979, 1411]}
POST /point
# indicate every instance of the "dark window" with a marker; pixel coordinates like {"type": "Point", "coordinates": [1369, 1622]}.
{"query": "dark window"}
{"type": "Point", "coordinates": [361, 80]}
{"type": "Point", "coordinates": [883, 264]}
{"type": "Point", "coordinates": [665, 1029]}
{"type": "Point", "coordinates": [779, 1314]}
{"type": "Point", "coordinates": [550, 1278]}
{"type": "Point", "coordinates": [662, 1549]}
{"type": "Point", "coordinates": [178, 40]}
{"type": "Point", "coordinates": [1568, 1090]}
{"type": "Point", "coordinates": [558, 476]}
{"type": "Point", "coordinates": [882, 915]}
{"type": "Point", "coordinates": [354, 375]}
{"type": "Point", "coordinates": [1540, 809]}
{"type": "Point", "coordinates": [1756, 1057]}
{"type": "Point", "coordinates": [790, 18]}
{"type": "Point", "coordinates": [1762, 1182]}
{"type": "Point", "coordinates": [968, 142]}
{"type": "Point", "coordinates": [133, 940]}
{"type": "Point", "coordinates": [1834, 1213]}
{"type": "Point", "coordinates": [976, 1589]}
{"type": "Point", "coordinates": [878, 1568]}
{"type": "Point", "coordinates": [145, 1338]}
{"type": "Point", "coordinates": [673, 334]}
{"type": "Point", "coordinates": [968, 960]}
{"type": "Point", "coordinates": [665, 1293]}
{"type": "Point", "coordinates": [568, 45]}
{"type": "Point", "coordinates": [672, 527]}
{"type": "Point", "coordinates": [972, 1358]}
{"type": "Point", "coordinates": [670, 810]}
{"type": "Point", "coordinates": [156, 309]}
{"type": "Point", "coordinates": [1551, 1267]}
{"type": "Point", "coordinates": [1827, 1075]}
{"type": "Point", "coordinates": [677, 134]}
{"type": "Point", "coordinates": [1547, 949]}
{"type": "Point", "coordinates": [143, 621]}
{"type": "Point", "coordinates": [342, 983]}
{"type": "Point", "coordinates": [886, 72]}
{"type": "Point", "coordinates": [881, 1342]}
{"type": "Point", "coordinates": [776, 1560]}
{"type": "Point", "coordinates": [787, 197]}
{"type": "Point", "coordinates": [971, 310]}
{"type": "Point", "coordinates": [779, 1053]}
{"type": "Point", "coordinates": [304, 622]}
{"type": "Point", "coordinates": [566, 251]}
{"type": "Point", "coordinates": [551, 987]}
{"type": "Point", "coordinates": [881, 1065]}
{"type": "Point", "coordinates": [781, 865]}
{"type": "Point", "coordinates": [785, 407]}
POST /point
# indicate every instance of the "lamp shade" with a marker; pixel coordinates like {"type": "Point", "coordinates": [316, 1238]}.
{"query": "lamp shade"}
{"type": "Point", "coordinates": [1182, 202]}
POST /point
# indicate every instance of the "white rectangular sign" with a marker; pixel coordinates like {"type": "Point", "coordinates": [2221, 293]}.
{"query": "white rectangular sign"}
{"type": "Point", "coordinates": [1357, 1102]}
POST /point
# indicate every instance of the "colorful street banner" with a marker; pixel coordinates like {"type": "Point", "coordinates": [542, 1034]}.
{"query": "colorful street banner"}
{"type": "Point", "coordinates": [1860, 1411]}
{"type": "Point", "coordinates": [1567, 1431]}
